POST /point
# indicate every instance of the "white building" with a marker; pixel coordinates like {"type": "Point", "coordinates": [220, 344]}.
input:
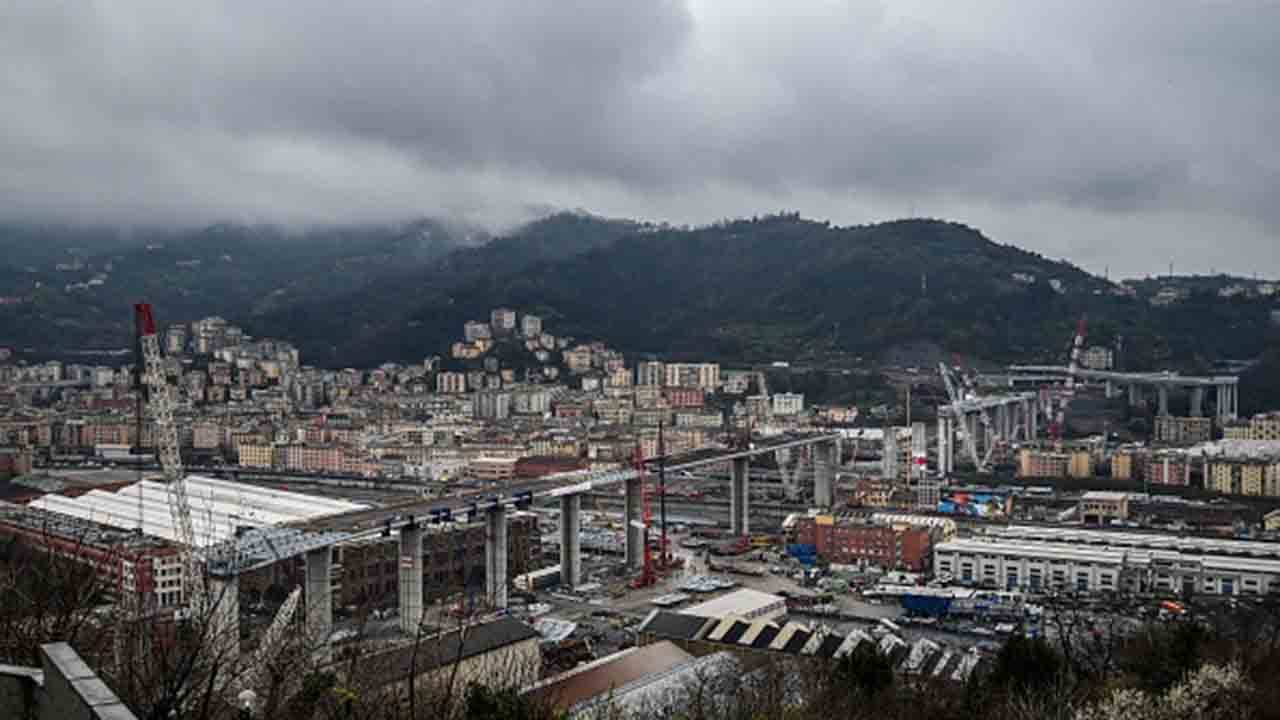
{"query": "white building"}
{"type": "Point", "coordinates": [475, 330]}
{"type": "Point", "coordinates": [788, 403]}
{"type": "Point", "coordinates": [1014, 563]}
{"type": "Point", "coordinates": [700, 375]}
{"type": "Point", "coordinates": [502, 320]}
{"type": "Point", "coordinates": [493, 405]}
{"type": "Point", "coordinates": [451, 382]}
{"type": "Point", "coordinates": [1097, 357]}
{"type": "Point", "coordinates": [650, 373]}
{"type": "Point", "coordinates": [531, 326]}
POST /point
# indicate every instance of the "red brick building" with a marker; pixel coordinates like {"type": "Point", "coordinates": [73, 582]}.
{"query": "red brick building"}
{"type": "Point", "coordinates": [854, 543]}
{"type": "Point", "coordinates": [684, 397]}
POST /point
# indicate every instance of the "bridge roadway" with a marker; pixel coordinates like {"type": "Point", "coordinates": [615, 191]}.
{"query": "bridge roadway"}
{"type": "Point", "coordinates": [1226, 386]}
{"type": "Point", "coordinates": [372, 522]}
{"type": "Point", "coordinates": [411, 519]}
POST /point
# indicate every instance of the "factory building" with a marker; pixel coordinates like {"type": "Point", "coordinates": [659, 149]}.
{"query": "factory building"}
{"type": "Point", "coordinates": [1038, 566]}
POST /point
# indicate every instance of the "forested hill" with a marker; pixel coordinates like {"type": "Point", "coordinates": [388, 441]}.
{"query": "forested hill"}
{"type": "Point", "coordinates": [771, 288]}
{"type": "Point", "coordinates": [778, 287]}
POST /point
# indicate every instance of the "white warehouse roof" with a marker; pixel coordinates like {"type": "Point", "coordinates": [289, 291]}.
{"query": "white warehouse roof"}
{"type": "Point", "coordinates": [743, 603]}
{"type": "Point", "coordinates": [218, 507]}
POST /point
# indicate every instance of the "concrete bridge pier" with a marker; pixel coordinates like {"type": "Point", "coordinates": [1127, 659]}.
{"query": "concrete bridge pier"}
{"type": "Point", "coordinates": [1162, 393]}
{"type": "Point", "coordinates": [411, 578]}
{"type": "Point", "coordinates": [1135, 395]}
{"type": "Point", "coordinates": [740, 496]}
{"type": "Point", "coordinates": [223, 608]}
{"type": "Point", "coordinates": [570, 541]}
{"type": "Point", "coordinates": [634, 523]}
{"type": "Point", "coordinates": [319, 596]}
{"type": "Point", "coordinates": [946, 445]}
{"type": "Point", "coordinates": [1197, 402]}
{"type": "Point", "coordinates": [825, 459]}
{"type": "Point", "coordinates": [495, 557]}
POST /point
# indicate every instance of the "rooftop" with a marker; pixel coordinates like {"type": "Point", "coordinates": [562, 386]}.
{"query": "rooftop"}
{"type": "Point", "coordinates": [743, 601]}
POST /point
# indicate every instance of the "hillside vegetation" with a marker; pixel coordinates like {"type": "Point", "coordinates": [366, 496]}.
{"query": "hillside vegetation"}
{"type": "Point", "coordinates": [761, 289]}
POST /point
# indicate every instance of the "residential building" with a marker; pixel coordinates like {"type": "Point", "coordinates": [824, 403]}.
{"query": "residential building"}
{"type": "Point", "coordinates": [699, 375]}
{"type": "Point", "coordinates": [531, 326]}
{"type": "Point", "coordinates": [578, 359]}
{"type": "Point", "coordinates": [1033, 463]}
{"type": "Point", "coordinates": [788, 404]}
{"type": "Point", "coordinates": [253, 455]}
{"type": "Point", "coordinates": [451, 382]}
{"type": "Point", "coordinates": [1097, 357]}
{"type": "Point", "coordinates": [1169, 467]}
{"type": "Point", "coordinates": [492, 405]}
{"type": "Point", "coordinates": [1242, 467]}
{"type": "Point", "coordinates": [1172, 430]}
{"type": "Point", "coordinates": [502, 321]}
{"type": "Point", "coordinates": [1080, 464]}
{"type": "Point", "coordinates": [619, 378]}
{"type": "Point", "coordinates": [475, 330]}
{"type": "Point", "coordinates": [1129, 463]}
{"type": "Point", "coordinates": [492, 469]}
{"type": "Point", "coordinates": [1264, 426]}
{"type": "Point", "coordinates": [651, 373]}
{"type": "Point", "coordinates": [684, 397]}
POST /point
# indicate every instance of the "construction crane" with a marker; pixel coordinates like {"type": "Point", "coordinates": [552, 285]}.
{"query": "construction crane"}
{"type": "Point", "coordinates": [648, 577]}
{"type": "Point", "coordinates": [1059, 422]}
{"type": "Point", "coordinates": [980, 462]}
{"type": "Point", "coordinates": [161, 404]}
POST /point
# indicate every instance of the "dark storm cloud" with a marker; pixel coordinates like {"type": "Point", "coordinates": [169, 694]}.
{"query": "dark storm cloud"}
{"type": "Point", "coordinates": [1149, 122]}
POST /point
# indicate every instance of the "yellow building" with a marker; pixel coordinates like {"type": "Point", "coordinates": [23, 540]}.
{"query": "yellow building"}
{"type": "Point", "coordinates": [1042, 464]}
{"type": "Point", "coordinates": [257, 456]}
{"type": "Point", "coordinates": [1183, 430]}
{"type": "Point", "coordinates": [1080, 464]}
{"type": "Point", "coordinates": [1102, 506]}
{"type": "Point", "coordinates": [1244, 477]}
{"type": "Point", "coordinates": [1265, 426]}
{"type": "Point", "coordinates": [1129, 463]}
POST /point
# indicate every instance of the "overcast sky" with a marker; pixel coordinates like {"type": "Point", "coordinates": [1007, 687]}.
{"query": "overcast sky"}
{"type": "Point", "coordinates": [1120, 133]}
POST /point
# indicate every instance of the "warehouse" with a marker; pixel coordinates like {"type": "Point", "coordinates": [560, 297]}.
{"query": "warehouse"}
{"type": "Point", "coordinates": [745, 603]}
{"type": "Point", "coordinates": [1147, 540]}
{"type": "Point", "coordinates": [1014, 564]}
{"type": "Point", "coordinates": [218, 508]}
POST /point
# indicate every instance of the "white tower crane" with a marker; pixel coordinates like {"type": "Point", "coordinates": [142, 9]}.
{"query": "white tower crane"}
{"type": "Point", "coordinates": [161, 405]}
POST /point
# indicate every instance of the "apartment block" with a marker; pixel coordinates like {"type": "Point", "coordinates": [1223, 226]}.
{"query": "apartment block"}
{"type": "Point", "coordinates": [1172, 430]}
{"type": "Point", "coordinates": [502, 321]}
{"type": "Point", "coordinates": [254, 455]}
{"type": "Point", "coordinates": [651, 373]}
{"type": "Point", "coordinates": [475, 330]}
{"type": "Point", "coordinates": [451, 382]}
{"type": "Point", "coordinates": [699, 375]}
{"type": "Point", "coordinates": [788, 404]}
{"type": "Point", "coordinates": [531, 326]}
{"type": "Point", "coordinates": [1042, 464]}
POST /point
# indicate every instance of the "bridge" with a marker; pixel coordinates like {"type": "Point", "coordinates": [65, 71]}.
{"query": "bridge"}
{"type": "Point", "coordinates": [1227, 403]}
{"type": "Point", "coordinates": [412, 519]}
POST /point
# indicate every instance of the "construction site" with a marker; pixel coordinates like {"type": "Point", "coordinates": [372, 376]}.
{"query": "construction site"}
{"type": "Point", "coordinates": [786, 542]}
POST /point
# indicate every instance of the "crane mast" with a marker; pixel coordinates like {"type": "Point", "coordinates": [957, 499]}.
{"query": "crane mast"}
{"type": "Point", "coordinates": [161, 404]}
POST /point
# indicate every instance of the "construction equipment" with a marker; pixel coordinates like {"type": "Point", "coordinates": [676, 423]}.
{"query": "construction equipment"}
{"type": "Point", "coordinates": [1058, 424]}
{"type": "Point", "coordinates": [648, 578]}
{"type": "Point", "coordinates": [980, 461]}
{"type": "Point", "coordinates": [161, 404]}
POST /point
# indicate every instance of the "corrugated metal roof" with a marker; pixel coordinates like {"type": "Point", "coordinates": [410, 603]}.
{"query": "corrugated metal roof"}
{"type": "Point", "coordinates": [597, 678]}
{"type": "Point", "coordinates": [218, 508]}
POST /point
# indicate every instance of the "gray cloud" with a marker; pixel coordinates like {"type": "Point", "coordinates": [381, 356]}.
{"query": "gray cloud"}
{"type": "Point", "coordinates": [1109, 133]}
